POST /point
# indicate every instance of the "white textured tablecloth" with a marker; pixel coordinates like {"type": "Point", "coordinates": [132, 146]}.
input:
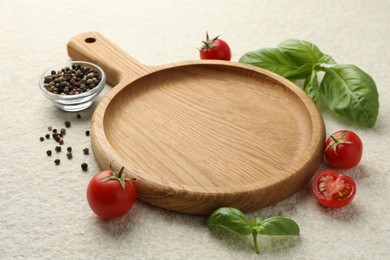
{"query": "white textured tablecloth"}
{"type": "Point", "coordinates": [43, 210]}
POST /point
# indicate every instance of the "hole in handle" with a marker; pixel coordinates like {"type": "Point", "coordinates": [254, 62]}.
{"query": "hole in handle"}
{"type": "Point", "coordinates": [90, 40]}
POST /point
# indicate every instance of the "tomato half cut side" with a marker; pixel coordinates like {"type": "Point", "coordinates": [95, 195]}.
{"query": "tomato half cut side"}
{"type": "Point", "coordinates": [333, 189]}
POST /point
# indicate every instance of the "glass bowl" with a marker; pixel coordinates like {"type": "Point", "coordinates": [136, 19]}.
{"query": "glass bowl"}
{"type": "Point", "coordinates": [73, 101]}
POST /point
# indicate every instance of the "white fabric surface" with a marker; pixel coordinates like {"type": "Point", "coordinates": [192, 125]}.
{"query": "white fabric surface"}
{"type": "Point", "coordinates": [43, 210]}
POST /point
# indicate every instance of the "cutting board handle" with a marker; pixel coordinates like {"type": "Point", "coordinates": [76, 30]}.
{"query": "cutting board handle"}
{"type": "Point", "coordinates": [116, 63]}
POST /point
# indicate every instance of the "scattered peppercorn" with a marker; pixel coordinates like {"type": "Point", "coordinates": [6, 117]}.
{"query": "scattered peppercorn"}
{"type": "Point", "coordinates": [84, 166]}
{"type": "Point", "coordinates": [41, 138]}
{"type": "Point", "coordinates": [71, 81]}
{"type": "Point", "coordinates": [78, 116]}
{"type": "Point", "coordinates": [57, 135]}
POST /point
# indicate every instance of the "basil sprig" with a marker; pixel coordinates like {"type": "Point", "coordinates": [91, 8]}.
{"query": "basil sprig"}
{"type": "Point", "coordinates": [344, 89]}
{"type": "Point", "coordinates": [235, 221]}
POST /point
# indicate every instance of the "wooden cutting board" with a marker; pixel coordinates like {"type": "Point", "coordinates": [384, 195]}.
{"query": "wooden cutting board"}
{"type": "Point", "coordinates": [199, 135]}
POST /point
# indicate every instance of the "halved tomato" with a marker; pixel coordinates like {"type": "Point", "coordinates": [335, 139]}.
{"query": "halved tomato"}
{"type": "Point", "coordinates": [333, 189]}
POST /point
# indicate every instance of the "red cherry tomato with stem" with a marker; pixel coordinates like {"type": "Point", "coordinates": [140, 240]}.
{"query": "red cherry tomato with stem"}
{"type": "Point", "coordinates": [215, 49]}
{"type": "Point", "coordinates": [110, 194]}
{"type": "Point", "coordinates": [344, 149]}
{"type": "Point", "coordinates": [332, 189]}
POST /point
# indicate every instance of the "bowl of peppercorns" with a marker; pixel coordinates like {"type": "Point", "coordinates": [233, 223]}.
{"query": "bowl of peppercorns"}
{"type": "Point", "coordinates": [73, 85]}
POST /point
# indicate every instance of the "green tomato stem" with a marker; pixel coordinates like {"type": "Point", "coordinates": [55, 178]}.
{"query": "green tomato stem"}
{"type": "Point", "coordinates": [334, 138]}
{"type": "Point", "coordinates": [254, 235]}
{"type": "Point", "coordinates": [119, 177]}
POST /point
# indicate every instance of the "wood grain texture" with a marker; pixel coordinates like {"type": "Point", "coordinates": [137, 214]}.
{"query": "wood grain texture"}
{"type": "Point", "coordinates": [199, 135]}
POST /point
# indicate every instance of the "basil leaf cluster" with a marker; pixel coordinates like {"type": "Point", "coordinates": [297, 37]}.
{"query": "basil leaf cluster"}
{"type": "Point", "coordinates": [236, 222]}
{"type": "Point", "coordinates": [346, 90]}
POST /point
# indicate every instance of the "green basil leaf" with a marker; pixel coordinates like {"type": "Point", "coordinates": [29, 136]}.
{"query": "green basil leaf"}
{"type": "Point", "coordinates": [278, 226]}
{"type": "Point", "coordinates": [304, 52]}
{"type": "Point", "coordinates": [255, 222]}
{"type": "Point", "coordinates": [310, 86]}
{"type": "Point", "coordinates": [351, 93]}
{"type": "Point", "coordinates": [232, 219]}
{"type": "Point", "coordinates": [326, 59]}
{"type": "Point", "coordinates": [271, 59]}
{"type": "Point", "coordinates": [301, 73]}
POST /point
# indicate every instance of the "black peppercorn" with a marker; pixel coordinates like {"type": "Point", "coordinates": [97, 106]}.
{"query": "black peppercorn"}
{"type": "Point", "coordinates": [63, 131]}
{"type": "Point", "coordinates": [84, 166]}
{"type": "Point", "coordinates": [57, 161]}
{"type": "Point", "coordinates": [58, 149]}
{"type": "Point", "coordinates": [78, 116]}
{"type": "Point", "coordinates": [69, 155]}
{"type": "Point", "coordinates": [48, 152]}
{"type": "Point", "coordinates": [69, 149]}
{"type": "Point", "coordinates": [87, 133]}
{"type": "Point", "coordinates": [67, 124]}
{"type": "Point", "coordinates": [86, 151]}
{"type": "Point", "coordinates": [47, 136]}
{"type": "Point", "coordinates": [69, 79]}
{"type": "Point", "coordinates": [41, 138]}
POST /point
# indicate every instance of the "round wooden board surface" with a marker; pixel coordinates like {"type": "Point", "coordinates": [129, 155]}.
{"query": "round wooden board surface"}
{"type": "Point", "coordinates": [203, 134]}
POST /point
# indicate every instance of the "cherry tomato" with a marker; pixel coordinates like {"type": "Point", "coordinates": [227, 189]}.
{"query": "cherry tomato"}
{"type": "Point", "coordinates": [344, 149]}
{"type": "Point", "coordinates": [110, 194]}
{"type": "Point", "coordinates": [332, 189]}
{"type": "Point", "coordinates": [215, 49]}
